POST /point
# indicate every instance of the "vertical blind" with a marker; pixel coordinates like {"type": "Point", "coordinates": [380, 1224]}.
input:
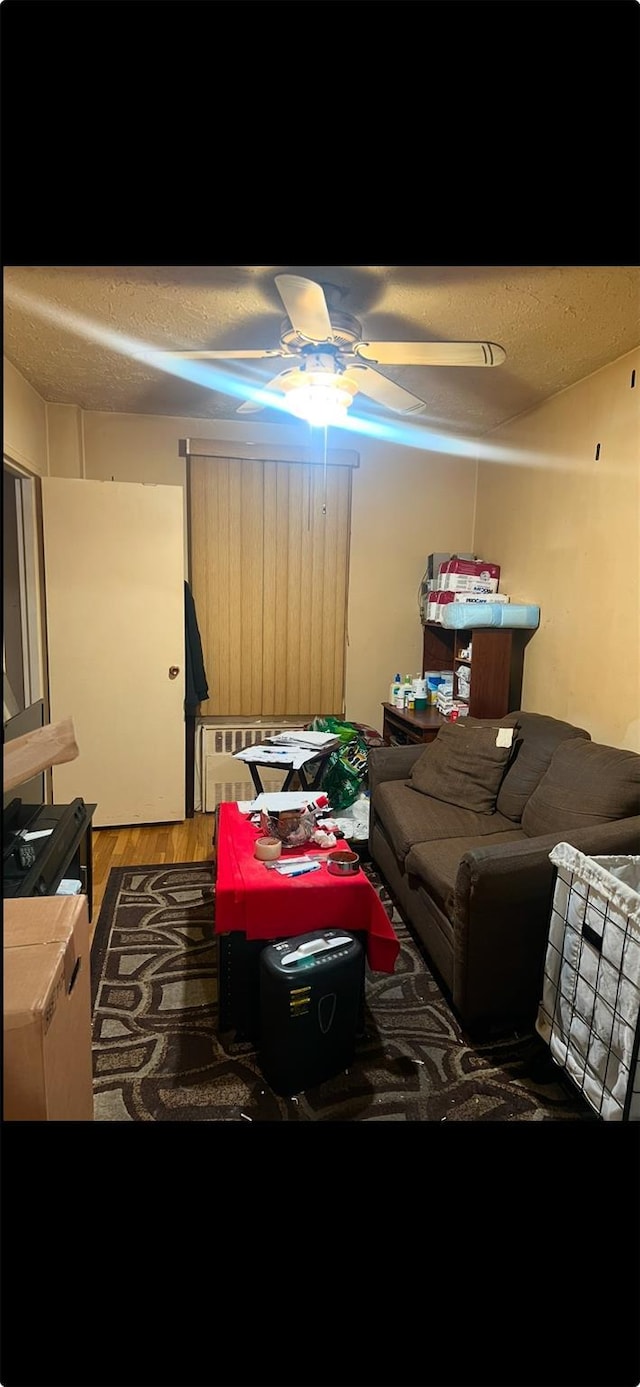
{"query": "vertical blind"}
{"type": "Point", "coordinates": [269, 562]}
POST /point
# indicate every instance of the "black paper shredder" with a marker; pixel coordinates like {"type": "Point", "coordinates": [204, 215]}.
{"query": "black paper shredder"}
{"type": "Point", "coordinates": [311, 992]}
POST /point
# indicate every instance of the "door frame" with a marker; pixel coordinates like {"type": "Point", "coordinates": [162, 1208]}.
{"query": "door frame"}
{"type": "Point", "coordinates": [30, 574]}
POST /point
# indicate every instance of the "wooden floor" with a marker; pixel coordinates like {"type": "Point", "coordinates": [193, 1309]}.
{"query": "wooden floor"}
{"type": "Point", "coordinates": [188, 841]}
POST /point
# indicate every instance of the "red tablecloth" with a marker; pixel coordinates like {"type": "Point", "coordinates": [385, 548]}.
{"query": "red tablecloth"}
{"type": "Point", "coordinates": [264, 905]}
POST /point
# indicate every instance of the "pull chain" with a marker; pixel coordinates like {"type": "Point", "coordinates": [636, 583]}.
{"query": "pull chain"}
{"type": "Point", "coordinates": [324, 481]}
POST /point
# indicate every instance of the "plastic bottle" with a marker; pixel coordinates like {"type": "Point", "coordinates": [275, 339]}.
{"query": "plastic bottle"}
{"type": "Point", "coordinates": [407, 689]}
{"type": "Point", "coordinates": [397, 681]}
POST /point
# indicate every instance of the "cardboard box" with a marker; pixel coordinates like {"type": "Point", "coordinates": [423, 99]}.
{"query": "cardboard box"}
{"type": "Point", "coordinates": [436, 602]}
{"type": "Point", "coordinates": [435, 560]}
{"type": "Point", "coordinates": [478, 568]}
{"type": "Point", "coordinates": [463, 597]}
{"type": "Point", "coordinates": [433, 563]}
{"type": "Point", "coordinates": [48, 1069]}
{"type": "Point", "coordinates": [464, 582]}
{"type": "Point", "coordinates": [436, 680]}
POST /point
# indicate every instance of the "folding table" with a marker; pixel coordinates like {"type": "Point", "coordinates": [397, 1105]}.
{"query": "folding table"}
{"type": "Point", "coordinates": [284, 762]}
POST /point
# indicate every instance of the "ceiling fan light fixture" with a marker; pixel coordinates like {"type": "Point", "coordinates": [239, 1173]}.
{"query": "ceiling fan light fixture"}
{"type": "Point", "coordinates": [319, 401]}
{"type": "Point", "coordinates": [319, 393]}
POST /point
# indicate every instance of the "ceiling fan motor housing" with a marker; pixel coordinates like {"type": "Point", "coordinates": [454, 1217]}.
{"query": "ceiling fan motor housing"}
{"type": "Point", "coordinates": [323, 361]}
{"type": "Point", "coordinates": [346, 331]}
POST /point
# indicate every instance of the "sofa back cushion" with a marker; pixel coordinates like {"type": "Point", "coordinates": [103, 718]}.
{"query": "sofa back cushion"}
{"type": "Point", "coordinates": [464, 764]}
{"type": "Point", "coordinates": [586, 784]}
{"type": "Point", "coordinates": [538, 737]}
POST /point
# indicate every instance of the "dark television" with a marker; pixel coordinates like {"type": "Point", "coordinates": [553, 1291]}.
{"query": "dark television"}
{"type": "Point", "coordinates": [28, 720]}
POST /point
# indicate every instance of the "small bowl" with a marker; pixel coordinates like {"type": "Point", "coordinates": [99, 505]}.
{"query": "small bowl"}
{"type": "Point", "coordinates": [342, 864]}
{"type": "Point", "coordinates": [267, 849]}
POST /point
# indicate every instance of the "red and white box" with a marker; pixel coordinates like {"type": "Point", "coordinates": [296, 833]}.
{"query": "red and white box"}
{"type": "Point", "coordinates": [460, 575]}
{"type": "Point", "coordinates": [477, 596]}
{"type": "Point", "coordinates": [463, 582]}
{"type": "Point", "coordinates": [438, 600]}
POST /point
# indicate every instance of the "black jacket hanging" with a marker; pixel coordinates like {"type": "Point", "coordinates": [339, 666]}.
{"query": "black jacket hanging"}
{"type": "Point", "coordinates": [196, 687]}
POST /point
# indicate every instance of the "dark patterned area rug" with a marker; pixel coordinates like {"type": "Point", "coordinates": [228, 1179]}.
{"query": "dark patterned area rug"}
{"type": "Point", "coordinates": [158, 1056]}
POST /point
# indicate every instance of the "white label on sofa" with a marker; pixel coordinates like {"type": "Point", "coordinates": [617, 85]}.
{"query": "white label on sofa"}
{"type": "Point", "coordinates": [505, 736]}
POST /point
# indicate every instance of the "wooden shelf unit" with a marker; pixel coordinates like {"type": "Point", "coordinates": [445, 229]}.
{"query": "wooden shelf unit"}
{"type": "Point", "coordinates": [497, 662]}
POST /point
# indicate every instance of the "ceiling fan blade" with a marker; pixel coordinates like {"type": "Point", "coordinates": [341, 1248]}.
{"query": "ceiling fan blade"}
{"type": "Point", "coordinates": [232, 355]}
{"type": "Point", "coordinates": [384, 391]}
{"type": "Point", "coordinates": [431, 353]}
{"type": "Point", "coordinates": [281, 383]}
{"type": "Point", "coordinates": [306, 306]}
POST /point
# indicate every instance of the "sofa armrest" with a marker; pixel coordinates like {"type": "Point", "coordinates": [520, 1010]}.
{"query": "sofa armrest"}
{"type": "Point", "coordinates": [391, 763]}
{"type": "Point", "coordinates": [506, 873]}
{"type": "Point", "coordinates": [502, 906]}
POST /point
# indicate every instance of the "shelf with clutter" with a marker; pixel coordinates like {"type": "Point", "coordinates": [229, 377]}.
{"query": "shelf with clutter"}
{"type": "Point", "coordinates": [477, 633]}
{"type": "Point", "coordinates": [464, 593]}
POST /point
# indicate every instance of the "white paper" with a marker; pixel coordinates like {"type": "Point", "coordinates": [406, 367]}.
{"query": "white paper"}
{"type": "Point", "coordinates": [287, 799]}
{"type": "Point", "coordinates": [311, 739]}
{"type": "Point", "coordinates": [505, 736]}
{"type": "Point", "coordinates": [263, 753]}
{"type": "Point", "coordinates": [289, 758]}
{"type": "Point", "coordinates": [294, 869]}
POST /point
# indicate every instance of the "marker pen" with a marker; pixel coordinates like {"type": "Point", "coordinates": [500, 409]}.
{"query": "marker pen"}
{"type": "Point", "coordinates": [301, 871]}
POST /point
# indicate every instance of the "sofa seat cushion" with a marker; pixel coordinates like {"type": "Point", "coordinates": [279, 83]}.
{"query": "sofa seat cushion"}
{"type": "Point", "coordinates": [436, 864]}
{"type": "Point", "coordinates": [410, 818]}
{"type": "Point", "coordinates": [464, 765]}
{"type": "Point", "coordinates": [585, 784]}
{"type": "Point", "coordinates": [537, 738]}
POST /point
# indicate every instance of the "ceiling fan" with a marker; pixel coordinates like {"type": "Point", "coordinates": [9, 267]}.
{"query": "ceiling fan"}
{"type": "Point", "coordinates": [332, 358]}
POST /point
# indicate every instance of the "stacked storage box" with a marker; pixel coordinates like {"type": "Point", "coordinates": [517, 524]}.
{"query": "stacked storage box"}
{"type": "Point", "coordinates": [464, 581]}
{"type": "Point", "coordinates": [443, 598]}
{"type": "Point", "coordinates": [466, 595]}
{"type": "Point", "coordinates": [468, 575]}
{"type": "Point", "coordinates": [430, 579]}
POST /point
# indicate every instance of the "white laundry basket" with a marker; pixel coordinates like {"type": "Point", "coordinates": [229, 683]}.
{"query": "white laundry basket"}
{"type": "Point", "coordinates": [589, 1014]}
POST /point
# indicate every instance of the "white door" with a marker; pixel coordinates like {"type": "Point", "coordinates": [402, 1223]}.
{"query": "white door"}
{"type": "Point", "coordinates": [114, 582]}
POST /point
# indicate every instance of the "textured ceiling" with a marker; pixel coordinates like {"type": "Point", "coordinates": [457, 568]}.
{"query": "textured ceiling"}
{"type": "Point", "coordinates": [73, 332]}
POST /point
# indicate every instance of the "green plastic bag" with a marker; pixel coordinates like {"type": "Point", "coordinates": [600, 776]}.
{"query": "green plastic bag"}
{"type": "Point", "coordinates": [343, 730]}
{"type": "Point", "coordinates": [347, 765]}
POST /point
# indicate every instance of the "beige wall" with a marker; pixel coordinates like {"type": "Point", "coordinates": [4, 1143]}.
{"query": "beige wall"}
{"type": "Point", "coordinates": [25, 422]}
{"type": "Point", "coordinates": [566, 530]}
{"type": "Point", "coordinates": [65, 424]}
{"type": "Point", "coordinates": [406, 504]}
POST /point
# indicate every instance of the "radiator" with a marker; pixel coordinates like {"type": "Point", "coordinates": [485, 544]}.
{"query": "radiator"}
{"type": "Point", "coordinates": [222, 776]}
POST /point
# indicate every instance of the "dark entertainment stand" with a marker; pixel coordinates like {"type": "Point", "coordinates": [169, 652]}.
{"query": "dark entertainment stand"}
{"type": "Point", "coordinates": [65, 852]}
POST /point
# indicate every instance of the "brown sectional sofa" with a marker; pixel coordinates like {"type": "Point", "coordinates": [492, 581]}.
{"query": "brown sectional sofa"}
{"type": "Point", "coordinates": [477, 887]}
